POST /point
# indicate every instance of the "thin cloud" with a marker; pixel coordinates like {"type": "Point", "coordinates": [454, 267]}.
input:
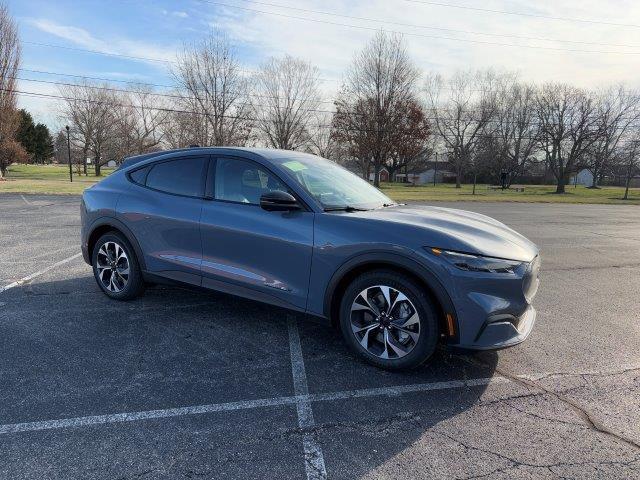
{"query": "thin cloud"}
{"type": "Point", "coordinates": [76, 35]}
{"type": "Point", "coordinates": [119, 46]}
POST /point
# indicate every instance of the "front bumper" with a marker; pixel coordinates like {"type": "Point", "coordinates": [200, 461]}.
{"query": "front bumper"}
{"type": "Point", "coordinates": [503, 331]}
{"type": "Point", "coordinates": [504, 308]}
{"type": "Point", "coordinates": [492, 310]}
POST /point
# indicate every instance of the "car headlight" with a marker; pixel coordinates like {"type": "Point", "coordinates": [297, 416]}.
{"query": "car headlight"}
{"type": "Point", "coordinates": [476, 263]}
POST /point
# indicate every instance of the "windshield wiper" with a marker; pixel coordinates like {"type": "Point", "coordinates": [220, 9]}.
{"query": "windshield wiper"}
{"type": "Point", "coordinates": [345, 208]}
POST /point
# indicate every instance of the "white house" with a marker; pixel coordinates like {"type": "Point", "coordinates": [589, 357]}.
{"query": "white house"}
{"type": "Point", "coordinates": [384, 175]}
{"type": "Point", "coordinates": [585, 177]}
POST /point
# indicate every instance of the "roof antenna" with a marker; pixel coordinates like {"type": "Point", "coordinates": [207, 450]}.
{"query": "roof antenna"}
{"type": "Point", "coordinates": [195, 145]}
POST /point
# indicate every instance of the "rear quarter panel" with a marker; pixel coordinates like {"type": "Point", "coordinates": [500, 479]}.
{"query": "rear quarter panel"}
{"type": "Point", "coordinates": [98, 201]}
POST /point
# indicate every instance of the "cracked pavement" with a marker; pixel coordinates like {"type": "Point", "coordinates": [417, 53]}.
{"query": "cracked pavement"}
{"type": "Point", "coordinates": [569, 409]}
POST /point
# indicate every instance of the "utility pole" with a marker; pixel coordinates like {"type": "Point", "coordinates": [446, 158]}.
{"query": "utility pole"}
{"type": "Point", "coordinates": [435, 170]}
{"type": "Point", "coordinates": [69, 154]}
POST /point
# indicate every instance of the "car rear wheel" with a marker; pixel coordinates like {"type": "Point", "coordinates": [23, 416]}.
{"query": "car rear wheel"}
{"type": "Point", "coordinates": [389, 320]}
{"type": "Point", "coordinates": [116, 268]}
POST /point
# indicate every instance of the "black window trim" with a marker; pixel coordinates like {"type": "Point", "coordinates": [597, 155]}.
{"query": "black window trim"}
{"type": "Point", "coordinates": [151, 165]}
{"type": "Point", "coordinates": [213, 164]}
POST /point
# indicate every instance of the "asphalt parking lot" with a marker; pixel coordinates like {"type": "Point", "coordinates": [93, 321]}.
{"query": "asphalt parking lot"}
{"type": "Point", "coordinates": [184, 384]}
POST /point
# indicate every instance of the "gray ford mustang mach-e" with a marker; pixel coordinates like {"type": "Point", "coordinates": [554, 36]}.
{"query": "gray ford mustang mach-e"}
{"type": "Point", "coordinates": [298, 231]}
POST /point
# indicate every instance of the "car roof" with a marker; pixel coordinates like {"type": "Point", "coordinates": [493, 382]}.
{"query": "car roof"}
{"type": "Point", "coordinates": [268, 153]}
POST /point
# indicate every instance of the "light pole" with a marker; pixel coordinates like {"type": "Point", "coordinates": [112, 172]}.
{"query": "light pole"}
{"type": "Point", "coordinates": [69, 154]}
{"type": "Point", "coordinates": [435, 170]}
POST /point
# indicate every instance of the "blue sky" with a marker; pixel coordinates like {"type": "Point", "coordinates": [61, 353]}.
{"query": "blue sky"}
{"type": "Point", "coordinates": [439, 38]}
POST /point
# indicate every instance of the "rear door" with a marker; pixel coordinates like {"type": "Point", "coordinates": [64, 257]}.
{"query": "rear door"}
{"type": "Point", "coordinates": [249, 251]}
{"type": "Point", "coordinates": [163, 210]}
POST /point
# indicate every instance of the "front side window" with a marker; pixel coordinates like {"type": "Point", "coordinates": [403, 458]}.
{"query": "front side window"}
{"type": "Point", "coordinates": [331, 185]}
{"type": "Point", "coordinates": [243, 181]}
{"type": "Point", "coordinates": [183, 176]}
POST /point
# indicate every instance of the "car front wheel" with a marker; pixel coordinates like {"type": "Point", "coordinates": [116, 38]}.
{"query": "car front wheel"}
{"type": "Point", "coordinates": [116, 268]}
{"type": "Point", "coordinates": [389, 320]}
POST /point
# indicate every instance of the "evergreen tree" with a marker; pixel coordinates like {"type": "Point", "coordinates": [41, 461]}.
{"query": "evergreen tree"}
{"type": "Point", "coordinates": [26, 133]}
{"type": "Point", "coordinates": [43, 144]}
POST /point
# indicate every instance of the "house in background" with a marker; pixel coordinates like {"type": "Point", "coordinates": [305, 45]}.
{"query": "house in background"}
{"type": "Point", "coordinates": [585, 177]}
{"type": "Point", "coordinates": [439, 170]}
{"type": "Point", "coordinates": [384, 175]}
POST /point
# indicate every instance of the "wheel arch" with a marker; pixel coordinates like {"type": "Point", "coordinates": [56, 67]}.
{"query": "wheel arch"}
{"type": "Point", "coordinates": [400, 264]}
{"type": "Point", "coordinates": [110, 224]}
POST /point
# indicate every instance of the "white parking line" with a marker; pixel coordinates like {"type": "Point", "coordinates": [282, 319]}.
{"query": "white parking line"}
{"type": "Point", "coordinates": [38, 273]}
{"type": "Point", "coordinates": [313, 457]}
{"type": "Point", "coordinates": [246, 404]}
{"type": "Point", "coordinates": [134, 416]}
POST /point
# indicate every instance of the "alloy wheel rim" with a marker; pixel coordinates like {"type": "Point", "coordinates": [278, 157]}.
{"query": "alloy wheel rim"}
{"type": "Point", "coordinates": [385, 322]}
{"type": "Point", "coordinates": [112, 264]}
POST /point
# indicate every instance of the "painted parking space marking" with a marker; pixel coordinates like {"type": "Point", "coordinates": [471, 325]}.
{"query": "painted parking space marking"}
{"type": "Point", "coordinates": [313, 457]}
{"type": "Point", "coordinates": [28, 278]}
{"type": "Point", "coordinates": [146, 415]}
{"type": "Point", "coordinates": [247, 404]}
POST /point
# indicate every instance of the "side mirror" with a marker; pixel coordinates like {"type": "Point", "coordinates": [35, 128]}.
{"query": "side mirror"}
{"type": "Point", "coordinates": [279, 201]}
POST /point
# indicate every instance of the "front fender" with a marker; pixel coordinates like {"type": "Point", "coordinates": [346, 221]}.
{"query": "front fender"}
{"type": "Point", "coordinates": [380, 259]}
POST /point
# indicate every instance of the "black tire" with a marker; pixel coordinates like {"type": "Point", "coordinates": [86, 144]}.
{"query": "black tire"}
{"type": "Point", "coordinates": [426, 343]}
{"type": "Point", "coordinates": [134, 285]}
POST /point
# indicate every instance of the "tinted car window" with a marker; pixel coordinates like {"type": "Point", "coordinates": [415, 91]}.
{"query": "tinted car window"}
{"type": "Point", "coordinates": [243, 181]}
{"type": "Point", "coordinates": [140, 175]}
{"type": "Point", "coordinates": [183, 176]}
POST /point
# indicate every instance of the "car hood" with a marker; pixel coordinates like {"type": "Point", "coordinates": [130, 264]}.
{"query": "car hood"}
{"type": "Point", "coordinates": [458, 230]}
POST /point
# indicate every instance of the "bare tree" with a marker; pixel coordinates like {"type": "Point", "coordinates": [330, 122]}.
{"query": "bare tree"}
{"type": "Point", "coordinates": [183, 129]}
{"type": "Point", "coordinates": [9, 63]}
{"type": "Point", "coordinates": [286, 93]}
{"type": "Point", "coordinates": [515, 128]}
{"type": "Point", "coordinates": [11, 152]}
{"type": "Point", "coordinates": [463, 106]}
{"type": "Point", "coordinates": [410, 138]}
{"type": "Point", "coordinates": [92, 111]}
{"type": "Point", "coordinates": [104, 140]}
{"type": "Point", "coordinates": [60, 147]}
{"type": "Point", "coordinates": [355, 131]}
{"type": "Point", "coordinates": [617, 112]}
{"type": "Point", "coordinates": [322, 140]}
{"type": "Point", "coordinates": [209, 73]}
{"type": "Point", "coordinates": [629, 157]}
{"type": "Point", "coordinates": [568, 128]}
{"type": "Point", "coordinates": [379, 83]}
{"type": "Point", "coordinates": [141, 119]}
{"type": "Point", "coordinates": [79, 111]}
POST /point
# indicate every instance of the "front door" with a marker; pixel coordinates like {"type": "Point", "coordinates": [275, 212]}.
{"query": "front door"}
{"type": "Point", "coordinates": [249, 251]}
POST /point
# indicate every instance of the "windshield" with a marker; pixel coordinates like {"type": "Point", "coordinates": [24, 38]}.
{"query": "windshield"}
{"type": "Point", "coordinates": [331, 185]}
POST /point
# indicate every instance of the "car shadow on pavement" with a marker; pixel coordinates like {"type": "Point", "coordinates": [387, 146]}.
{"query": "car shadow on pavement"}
{"type": "Point", "coordinates": [69, 351]}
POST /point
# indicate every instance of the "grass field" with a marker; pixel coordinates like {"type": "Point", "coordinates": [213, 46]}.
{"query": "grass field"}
{"type": "Point", "coordinates": [532, 193]}
{"type": "Point", "coordinates": [54, 179]}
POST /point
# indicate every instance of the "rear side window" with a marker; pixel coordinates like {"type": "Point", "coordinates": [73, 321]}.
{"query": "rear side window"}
{"type": "Point", "coordinates": [139, 176]}
{"type": "Point", "coordinates": [184, 176]}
